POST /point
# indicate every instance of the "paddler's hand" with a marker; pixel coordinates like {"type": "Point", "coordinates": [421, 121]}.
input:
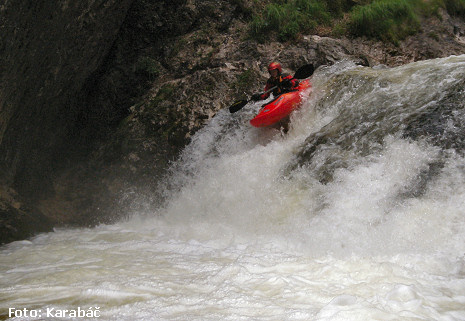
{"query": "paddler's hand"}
{"type": "Point", "coordinates": [256, 97]}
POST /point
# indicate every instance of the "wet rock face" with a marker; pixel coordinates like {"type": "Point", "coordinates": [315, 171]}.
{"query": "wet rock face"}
{"type": "Point", "coordinates": [443, 125]}
{"type": "Point", "coordinates": [69, 72]}
{"type": "Point", "coordinates": [48, 51]}
{"type": "Point", "coordinates": [370, 108]}
{"type": "Point", "coordinates": [17, 220]}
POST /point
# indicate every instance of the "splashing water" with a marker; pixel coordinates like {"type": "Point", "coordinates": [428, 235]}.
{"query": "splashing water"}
{"type": "Point", "coordinates": [357, 213]}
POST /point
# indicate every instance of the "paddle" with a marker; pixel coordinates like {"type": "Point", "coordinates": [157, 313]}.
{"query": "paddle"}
{"type": "Point", "coordinates": [238, 105]}
{"type": "Point", "coordinates": [301, 73]}
{"type": "Point", "coordinates": [304, 72]}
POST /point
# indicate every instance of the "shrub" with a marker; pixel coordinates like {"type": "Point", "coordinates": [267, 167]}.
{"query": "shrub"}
{"type": "Point", "coordinates": [147, 67]}
{"type": "Point", "coordinates": [338, 7]}
{"type": "Point", "coordinates": [245, 80]}
{"type": "Point", "coordinates": [289, 18]}
{"type": "Point", "coordinates": [388, 20]}
{"type": "Point", "coordinates": [166, 92]}
{"type": "Point", "coordinates": [455, 7]}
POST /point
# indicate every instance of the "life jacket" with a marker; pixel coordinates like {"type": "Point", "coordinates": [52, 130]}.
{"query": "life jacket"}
{"type": "Point", "coordinates": [272, 82]}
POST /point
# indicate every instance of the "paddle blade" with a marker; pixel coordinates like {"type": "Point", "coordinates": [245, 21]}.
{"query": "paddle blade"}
{"type": "Point", "coordinates": [304, 72]}
{"type": "Point", "coordinates": [237, 105]}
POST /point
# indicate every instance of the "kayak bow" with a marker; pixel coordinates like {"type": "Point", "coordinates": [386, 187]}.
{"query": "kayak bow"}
{"type": "Point", "coordinates": [280, 107]}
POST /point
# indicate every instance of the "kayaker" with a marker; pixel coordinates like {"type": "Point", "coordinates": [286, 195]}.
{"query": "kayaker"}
{"type": "Point", "coordinates": [283, 82]}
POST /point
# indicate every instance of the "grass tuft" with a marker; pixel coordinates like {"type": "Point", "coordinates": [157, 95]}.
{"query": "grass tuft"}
{"type": "Point", "coordinates": [287, 19]}
{"type": "Point", "coordinates": [388, 20]}
{"type": "Point", "coordinates": [455, 7]}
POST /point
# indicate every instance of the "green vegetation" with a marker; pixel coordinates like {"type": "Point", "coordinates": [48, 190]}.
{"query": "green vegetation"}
{"type": "Point", "coordinates": [166, 92]}
{"type": "Point", "coordinates": [289, 18]}
{"type": "Point", "coordinates": [387, 20]}
{"type": "Point", "coordinates": [454, 7]}
{"type": "Point", "coordinates": [244, 80]}
{"type": "Point", "coordinates": [147, 67]}
{"type": "Point", "coordinates": [162, 107]}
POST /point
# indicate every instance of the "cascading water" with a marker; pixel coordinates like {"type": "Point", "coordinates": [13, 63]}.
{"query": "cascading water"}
{"type": "Point", "coordinates": [357, 213]}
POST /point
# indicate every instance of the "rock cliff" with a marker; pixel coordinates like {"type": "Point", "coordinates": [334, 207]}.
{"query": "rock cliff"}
{"type": "Point", "coordinates": [97, 97]}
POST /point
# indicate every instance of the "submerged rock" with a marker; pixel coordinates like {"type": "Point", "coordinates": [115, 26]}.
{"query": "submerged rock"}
{"type": "Point", "coordinates": [421, 102]}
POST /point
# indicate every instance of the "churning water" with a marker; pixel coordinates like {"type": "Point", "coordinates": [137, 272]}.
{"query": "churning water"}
{"type": "Point", "coordinates": [357, 213]}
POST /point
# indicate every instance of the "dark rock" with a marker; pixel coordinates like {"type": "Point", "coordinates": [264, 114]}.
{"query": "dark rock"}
{"type": "Point", "coordinates": [17, 220]}
{"type": "Point", "coordinates": [48, 51]}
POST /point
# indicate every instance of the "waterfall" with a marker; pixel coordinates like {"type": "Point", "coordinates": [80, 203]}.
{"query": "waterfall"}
{"type": "Point", "coordinates": [355, 213]}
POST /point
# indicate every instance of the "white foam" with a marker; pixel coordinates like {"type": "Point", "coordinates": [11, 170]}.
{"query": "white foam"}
{"type": "Point", "coordinates": [239, 240]}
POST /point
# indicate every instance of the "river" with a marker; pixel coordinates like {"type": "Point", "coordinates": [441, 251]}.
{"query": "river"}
{"type": "Point", "coordinates": [356, 213]}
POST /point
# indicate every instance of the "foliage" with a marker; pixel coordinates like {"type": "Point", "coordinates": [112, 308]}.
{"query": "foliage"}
{"type": "Point", "coordinates": [244, 81]}
{"type": "Point", "coordinates": [164, 93]}
{"type": "Point", "coordinates": [390, 20]}
{"type": "Point", "coordinates": [289, 18]}
{"type": "Point", "coordinates": [387, 20]}
{"type": "Point", "coordinates": [147, 67]}
{"type": "Point", "coordinates": [455, 7]}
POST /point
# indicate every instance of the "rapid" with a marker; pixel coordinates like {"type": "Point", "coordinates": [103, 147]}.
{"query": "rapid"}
{"type": "Point", "coordinates": [356, 213]}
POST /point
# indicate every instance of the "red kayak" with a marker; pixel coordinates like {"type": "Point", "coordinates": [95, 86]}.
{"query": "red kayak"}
{"type": "Point", "coordinates": [280, 107]}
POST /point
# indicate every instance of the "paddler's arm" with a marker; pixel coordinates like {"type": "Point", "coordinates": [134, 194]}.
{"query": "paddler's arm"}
{"type": "Point", "coordinates": [264, 95]}
{"type": "Point", "coordinates": [289, 82]}
{"type": "Point", "coordinates": [267, 91]}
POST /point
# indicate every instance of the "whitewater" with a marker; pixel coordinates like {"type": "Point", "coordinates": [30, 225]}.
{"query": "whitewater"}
{"type": "Point", "coordinates": [356, 213]}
